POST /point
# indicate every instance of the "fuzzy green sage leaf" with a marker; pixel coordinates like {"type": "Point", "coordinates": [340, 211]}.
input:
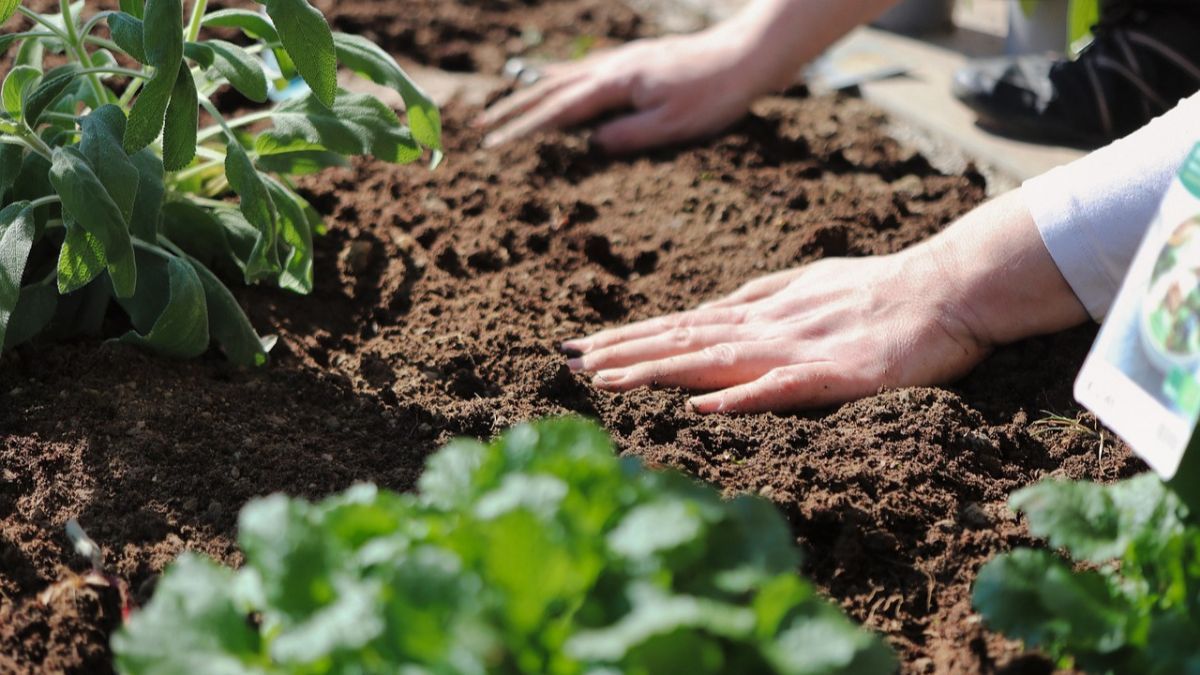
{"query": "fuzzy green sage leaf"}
{"type": "Point", "coordinates": [163, 47]}
{"type": "Point", "coordinates": [251, 23]}
{"type": "Point", "coordinates": [309, 42]}
{"type": "Point", "coordinates": [17, 86]}
{"type": "Point", "coordinates": [357, 124]}
{"type": "Point", "coordinates": [8, 8]}
{"type": "Point", "coordinates": [86, 200]}
{"type": "Point", "coordinates": [180, 324]}
{"type": "Point", "coordinates": [369, 60]}
{"type": "Point", "coordinates": [17, 231]}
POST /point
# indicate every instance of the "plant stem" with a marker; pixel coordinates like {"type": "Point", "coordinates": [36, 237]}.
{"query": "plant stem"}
{"type": "Point", "coordinates": [33, 34]}
{"type": "Point", "coordinates": [153, 248]}
{"type": "Point", "coordinates": [211, 203]}
{"type": "Point", "coordinates": [193, 29]}
{"type": "Point", "coordinates": [246, 120]}
{"type": "Point", "coordinates": [41, 21]}
{"type": "Point", "coordinates": [62, 117]}
{"type": "Point", "coordinates": [45, 201]}
{"type": "Point", "coordinates": [208, 153]}
{"type": "Point", "coordinates": [102, 42]}
{"type": "Point", "coordinates": [34, 143]}
{"type": "Point", "coordinates": [115, 70]}
{"type": "Point", "coordinates": [102, 94]}
{"type": "Point", "coordinates": [91, 24]}
{"type": "Point", "coordinates": [198, 170]}
{"type": "Point", "coordinates": [130, 91]}
{"type": "Point", "coordinates": [216, 115]}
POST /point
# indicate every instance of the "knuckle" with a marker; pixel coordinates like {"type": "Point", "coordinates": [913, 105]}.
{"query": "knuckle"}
{"type": "Point", "coordinates": [682, 336]}
{"type": "Point", "coordinates": [783, 379]}
{"type": "Point", "coordinates": [721, 355]}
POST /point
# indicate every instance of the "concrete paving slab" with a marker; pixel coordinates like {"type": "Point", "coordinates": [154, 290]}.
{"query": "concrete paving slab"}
{"type": "Point", "coordinates": [922, 97]}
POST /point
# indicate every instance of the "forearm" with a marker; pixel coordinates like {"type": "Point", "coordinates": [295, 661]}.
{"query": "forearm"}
{"type": "Point", "coordinates": [780, 36]}
{"type": "Point", "coordinates": [1093, 212]}
{"type": "Point", "coordinates": [1000, 277]}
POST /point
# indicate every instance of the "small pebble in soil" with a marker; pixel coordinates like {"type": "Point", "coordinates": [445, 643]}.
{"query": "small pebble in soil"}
{"type": "Point", "coordinates": [357, 255]}
{"type": "Point", "coordinates": [404, 242]}
{"type": "Point", "coordinates": [973, 515]}
{"type": "Point", "coordinates": [436, 206]}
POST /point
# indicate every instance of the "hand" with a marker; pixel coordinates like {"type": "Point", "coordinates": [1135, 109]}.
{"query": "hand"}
{"type": "Point", "coordinates": [680, 87]}
{"type": "Point", "coordinates": [842, 328]}
{"type": "Point", "coordinates": [833, 331]}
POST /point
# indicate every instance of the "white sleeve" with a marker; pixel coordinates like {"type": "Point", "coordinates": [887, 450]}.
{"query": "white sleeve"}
{"type": "Point", "coordinates": [1093, 212]}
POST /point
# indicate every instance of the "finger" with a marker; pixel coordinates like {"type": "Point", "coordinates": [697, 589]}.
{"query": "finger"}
{"type": "Point", "coordinates": [564, 68]}
{"type": "Point", "coordinates": [638, 131]}
{"type": "Point", "coordinates": [649, 327]}
{"type": "Point", "coordinates": [522, 100]}
{"type": "Point", "coordinates": [663, 345]}
{"type": "Point", "coordinates": [755, 290]}
{"type": "Point", "coordinates": [793, 387]}
{"type": "Point", "coordinates": [565, 107]}
{"type": "Point", "coordinates": [715, 367]}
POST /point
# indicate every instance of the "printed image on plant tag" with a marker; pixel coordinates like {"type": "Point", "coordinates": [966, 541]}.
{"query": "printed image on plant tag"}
{"type": "Point", "coordinates": [1142, 376]}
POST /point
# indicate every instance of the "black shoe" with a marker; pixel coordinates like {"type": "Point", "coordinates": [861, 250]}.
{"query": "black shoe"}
{"type": "Point", "coordinates": [1144, 58]}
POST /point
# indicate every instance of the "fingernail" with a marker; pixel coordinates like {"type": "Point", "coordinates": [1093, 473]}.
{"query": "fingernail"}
{"type": "Point", "coordinates": [492, 140]}
{"type": "Point", "coordinates": [704, 404]}
{"type": "Point", "coordinates": [574, 348]}
{"type": "Point", "coordinates": [608, 377]}
{"type": "Point", "coordinates": [575, 365]}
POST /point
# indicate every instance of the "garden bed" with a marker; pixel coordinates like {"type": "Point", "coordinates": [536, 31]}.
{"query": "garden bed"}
{"type": "Point", "coordinates": [440, 299]}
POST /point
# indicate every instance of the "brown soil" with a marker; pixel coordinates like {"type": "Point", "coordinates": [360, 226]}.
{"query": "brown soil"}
{"type": "Point", "coordinates": [480, 35]}
{"type": "Point", "coordinates": [441, 297]}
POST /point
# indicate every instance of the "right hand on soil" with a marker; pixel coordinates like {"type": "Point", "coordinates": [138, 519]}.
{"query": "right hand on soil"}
{"type": "Point", "coordinates": [679, 87]}
{"type": "Point", "coordinates": [843, 328]}
{"type": "Point", "coordinates": [833, 331]}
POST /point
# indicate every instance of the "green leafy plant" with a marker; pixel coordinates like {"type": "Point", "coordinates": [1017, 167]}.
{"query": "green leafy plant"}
{"type": "Point", "coordinates": [1131, 604]}
{"type": "Point", "coordinates": [112, 191]}
{"type": "Point", "coordinates": [540, 553]}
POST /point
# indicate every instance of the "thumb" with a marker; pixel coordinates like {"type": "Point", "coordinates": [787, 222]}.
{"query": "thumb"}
{"type": "Point", "coordinates": [644, 129]}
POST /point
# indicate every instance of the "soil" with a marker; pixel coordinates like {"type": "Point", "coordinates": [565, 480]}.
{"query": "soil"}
{"type": "Point", "coordinates": [440, 299]}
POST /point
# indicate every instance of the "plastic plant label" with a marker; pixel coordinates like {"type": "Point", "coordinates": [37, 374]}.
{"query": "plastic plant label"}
{"type": "Point", "coordinates": [1142, 376]}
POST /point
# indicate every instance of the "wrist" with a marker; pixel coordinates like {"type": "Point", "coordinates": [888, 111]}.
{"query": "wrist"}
{"type": "Point", "coordinates": [757, 61]}
{"type": "Point", "coordinates": [996, 274]}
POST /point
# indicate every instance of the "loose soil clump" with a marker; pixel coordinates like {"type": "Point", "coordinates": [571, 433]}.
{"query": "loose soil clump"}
{"type": "Point", "coordinates": [440, 299]}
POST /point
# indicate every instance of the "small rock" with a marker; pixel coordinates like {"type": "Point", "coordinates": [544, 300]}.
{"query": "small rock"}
{"type": "Point", "coordinates": [405, 242]}
{"type": "Point", "coordinates": [973, 515]}
{"type": "Point", "coordinates": [235, 473]}
{"type": "Point", "coordinates": [357, 255]}
{"type": "Point", "coordinates": [436, 205]}
{"type": "Point", "coordinates": [909, 185]}
{"type": "Point", "coordinates": [333, 423]}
